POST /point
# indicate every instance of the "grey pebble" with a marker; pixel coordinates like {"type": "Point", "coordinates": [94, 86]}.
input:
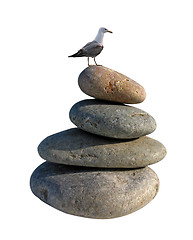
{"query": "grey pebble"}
{"type": "Point", "coordinates": [93, 193]}
{"type": "Point", "coordinates": [77, 147]}
{"type": "Point", "coordinates": [111, 119]}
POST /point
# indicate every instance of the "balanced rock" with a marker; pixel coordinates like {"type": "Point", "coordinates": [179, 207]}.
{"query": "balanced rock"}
{"type": "Point", "coordinates": [93, 193]}
{"type": "Point", "coordinates": [77, 147]}
{"type": "Point", "coordinates": [106, 84]}
{"type": "Point", "coordinates": [111, 119]}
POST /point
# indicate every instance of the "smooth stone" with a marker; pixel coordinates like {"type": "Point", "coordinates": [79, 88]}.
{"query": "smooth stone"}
{"type": "Point", "coordinates": [94, 193]}
{"type": "Point", "coordinates": [106, 84]}
{"type": "Point", "coordinates": [111, 119]}
{"type": "Point", "coordinates": [77, 147]}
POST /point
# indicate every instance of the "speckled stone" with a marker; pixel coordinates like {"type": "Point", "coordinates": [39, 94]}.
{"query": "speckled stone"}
{"type": "Point", "coordinates": [111, 119]}
{"type": "Point", "coordinates": [106, 84]}
{"type": "Point", "coordinates": [93, 193]}
{"type": "Point", "coordinates": [77, 147]}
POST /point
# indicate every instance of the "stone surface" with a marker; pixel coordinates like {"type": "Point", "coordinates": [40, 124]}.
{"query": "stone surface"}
{"type": "Point", "coordinates": [93, 193]}
{"type": "Point", "coordinates": [77, 147]}
{"type": "Point", "coordinates": [111, 119]}
{"type": "Point", "coordinates": [106, 84]}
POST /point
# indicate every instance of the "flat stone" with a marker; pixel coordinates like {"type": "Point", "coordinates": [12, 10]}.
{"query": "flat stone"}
{"type": "Point", "coordinates": [111, 119]}
{"type": "Point", "coordinates": [94, 193]}
{"type": "Point", "coordinates": [106, 84]}
{"type": "Point", "coordinates": [77, 147]}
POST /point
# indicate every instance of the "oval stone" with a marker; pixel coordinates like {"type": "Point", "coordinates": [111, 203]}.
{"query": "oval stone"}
{"type": "Point", "coordinates": [106, 84]}
{"type": "Point", "coordinates": [94, 193]}
{"type": "Point", "coordinates": [77, 147]}
{"type": "Point", "coordinates": [111, 119]}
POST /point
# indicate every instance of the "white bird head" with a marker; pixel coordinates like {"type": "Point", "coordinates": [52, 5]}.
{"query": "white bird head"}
{"type": "Point", "coordinates": [99, 36]}
{"type": "Point", "coordinates": [104, 30]}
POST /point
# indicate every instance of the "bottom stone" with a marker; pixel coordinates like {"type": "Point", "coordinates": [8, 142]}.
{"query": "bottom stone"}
{"type": "Point", "coordinates": [94, 192]}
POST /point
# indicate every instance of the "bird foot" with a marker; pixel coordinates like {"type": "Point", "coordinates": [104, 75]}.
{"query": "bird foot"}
{"type": "Point", "coordinates": [94, 65]}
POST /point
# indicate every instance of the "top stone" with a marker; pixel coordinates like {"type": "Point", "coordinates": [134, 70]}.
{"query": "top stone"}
{"type": "Point", "coordinates": [106, 84]}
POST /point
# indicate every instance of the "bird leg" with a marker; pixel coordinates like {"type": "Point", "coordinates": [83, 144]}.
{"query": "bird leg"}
{"type": "Point", "coordinates": [88, 62]}
{"type": "Point", "coordinates": [95, 61]}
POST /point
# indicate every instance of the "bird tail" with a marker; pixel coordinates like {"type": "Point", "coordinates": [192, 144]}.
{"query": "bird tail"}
{"type": "Point", "coordinates": [80, 53]}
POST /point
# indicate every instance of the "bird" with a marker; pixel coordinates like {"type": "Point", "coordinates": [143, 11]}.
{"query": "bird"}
{"type": "Point", "coordinates": [94, 48]}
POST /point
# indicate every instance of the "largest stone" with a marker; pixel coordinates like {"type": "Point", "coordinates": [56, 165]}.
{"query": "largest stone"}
{"type": "Point", "coordinates": [106, 84]}
{"type": "Point", "coordinates": [77, 147]}
{"type": "Point", "coordinates": [111, 119]}
{"type": "Point", "coordinates": [94, 193]}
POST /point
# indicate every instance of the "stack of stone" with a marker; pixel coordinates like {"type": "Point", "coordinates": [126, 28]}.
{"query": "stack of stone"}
{"type": "Point", "coordinates": [99, 170]}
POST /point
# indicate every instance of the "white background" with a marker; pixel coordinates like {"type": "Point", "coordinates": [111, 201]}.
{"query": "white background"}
{"type": "Point", "coordinates": [152, 43]}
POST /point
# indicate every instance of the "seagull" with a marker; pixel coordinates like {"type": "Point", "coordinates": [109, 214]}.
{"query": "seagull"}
{"type": "Point", "coordinates": [94, 48]}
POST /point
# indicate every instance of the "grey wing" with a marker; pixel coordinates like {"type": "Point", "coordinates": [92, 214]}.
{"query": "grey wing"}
{"type": "Point", "coordinates": [92, 49]}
